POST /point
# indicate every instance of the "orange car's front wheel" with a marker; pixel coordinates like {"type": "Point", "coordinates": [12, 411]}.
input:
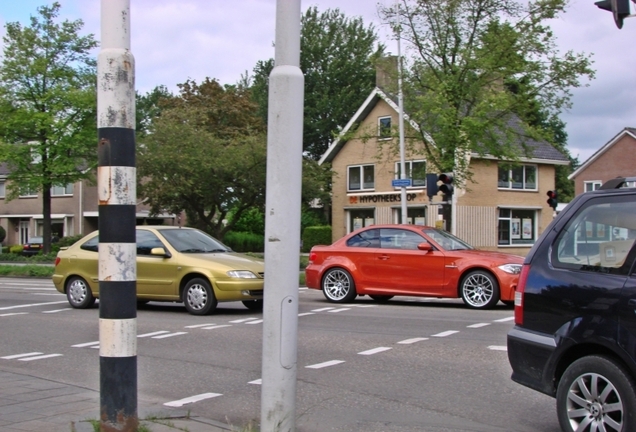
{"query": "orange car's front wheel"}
{"type": "Point", "coordinates": [338, 286]}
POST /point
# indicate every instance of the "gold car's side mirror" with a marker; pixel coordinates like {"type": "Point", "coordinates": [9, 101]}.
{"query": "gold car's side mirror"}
{"type": "Point", "coordinates": [159, 251]}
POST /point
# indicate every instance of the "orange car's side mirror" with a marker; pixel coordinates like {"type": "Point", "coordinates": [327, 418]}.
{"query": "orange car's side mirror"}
{"type": "Point", "coordinates": [425, 247]}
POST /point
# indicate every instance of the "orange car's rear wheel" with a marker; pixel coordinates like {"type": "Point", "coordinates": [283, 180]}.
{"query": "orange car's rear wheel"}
{"type": "Point", "coordinates": [338, 286]}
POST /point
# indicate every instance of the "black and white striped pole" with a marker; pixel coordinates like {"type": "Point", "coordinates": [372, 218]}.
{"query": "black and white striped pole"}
{"type": "Point", "coordinates": [116, 183]}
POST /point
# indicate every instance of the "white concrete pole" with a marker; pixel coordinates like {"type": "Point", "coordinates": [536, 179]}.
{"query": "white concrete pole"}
{"type": "Point", "coordinates": [282, 224]}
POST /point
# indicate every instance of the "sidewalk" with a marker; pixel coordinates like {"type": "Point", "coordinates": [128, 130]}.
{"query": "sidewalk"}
{"type": "Point", "coordinates": [39, 405]}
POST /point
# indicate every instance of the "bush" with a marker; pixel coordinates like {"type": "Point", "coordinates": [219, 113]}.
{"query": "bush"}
{"type": "Point", "coordinates": [316, 235]}
{"type": "Point", "coordinates": [16, 249]}
{"type": "Point", "coordinates": [245, 241]}
{"type": "Point", "coordinates": [3, 234]}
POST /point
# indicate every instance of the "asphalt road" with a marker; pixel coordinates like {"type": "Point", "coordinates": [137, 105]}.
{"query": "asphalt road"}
{"type": "Point", "coordinates": [408, 365]}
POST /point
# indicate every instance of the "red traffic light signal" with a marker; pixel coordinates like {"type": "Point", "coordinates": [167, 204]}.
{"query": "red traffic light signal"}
{"type": "Point", "coordinates": [447, 185]}
{"type": "Point", "coordinates": [552, 199]}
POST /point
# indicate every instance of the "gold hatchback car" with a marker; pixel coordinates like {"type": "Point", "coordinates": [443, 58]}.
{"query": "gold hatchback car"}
{"type": "Point", "coordinates": [174, 264]}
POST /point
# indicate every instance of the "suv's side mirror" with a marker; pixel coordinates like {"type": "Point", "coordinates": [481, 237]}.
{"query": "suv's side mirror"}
{"type": "Point", "coordinates": [425, 246]}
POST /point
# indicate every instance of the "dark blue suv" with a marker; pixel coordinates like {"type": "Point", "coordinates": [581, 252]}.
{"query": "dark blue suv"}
{"type": "Point", "coordinates": [575, 312]}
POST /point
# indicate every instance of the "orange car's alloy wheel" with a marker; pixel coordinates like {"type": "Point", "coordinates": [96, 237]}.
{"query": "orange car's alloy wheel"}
{"type": "Point", "coordinates": [338, 286]}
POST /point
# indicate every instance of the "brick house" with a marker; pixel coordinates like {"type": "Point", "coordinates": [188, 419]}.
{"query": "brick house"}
{"type": "Point", "coordinates": [499, 209]}
{"type": "Point", "coordinates": [74, 210]}
{"type": "Point", "coordinates": [616, 158]}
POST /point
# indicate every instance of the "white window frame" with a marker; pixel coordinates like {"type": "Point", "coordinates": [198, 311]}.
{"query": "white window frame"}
{"type": "Point", "coordinates": [66, 190]}
{"type": "Point", "coordinates": [3, 188]}
{"type": "Point", "coordinates": [521, 240]}
{"type": "Point", "coordinates": [409, 172]}
{"type": "Point", "coordinates": [523, 188]}
{"type": "Point", "coordinates": [362, 186]}
{"type": "Point", "coordinates": [28, 194]}
{"type": "Point", "coordinates": [595, 184]}
{"type": "Point", "coordinates": [382, 136]}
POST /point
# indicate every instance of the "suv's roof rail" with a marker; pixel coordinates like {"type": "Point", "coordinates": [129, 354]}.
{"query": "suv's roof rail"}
{"type": "Point", "coordinates": [617, 182]}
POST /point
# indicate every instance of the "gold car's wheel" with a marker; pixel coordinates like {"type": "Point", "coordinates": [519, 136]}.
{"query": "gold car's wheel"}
{"type": "Point", "coordinates": [198, 297]}
{"type": "Point", "coordinates": [338, 286]}
{"type": "Point", "coordinates": [78, 293]}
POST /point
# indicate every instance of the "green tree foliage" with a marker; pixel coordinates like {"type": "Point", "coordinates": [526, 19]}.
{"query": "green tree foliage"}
{"type": "Point", "coordinates": [461, 55]}
{"type": "Point", "coordinates": [206, 156]}
{"type": "Point", "coordinates": [337, 59]}
{"type": "Point", "coordinates": [47, 106]}
{"type": "Point", "coordinates": [148, 107]}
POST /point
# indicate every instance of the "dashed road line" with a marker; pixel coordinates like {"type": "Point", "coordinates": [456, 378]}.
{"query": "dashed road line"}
{"type": "Point", "coordinates": [57, 310]}
{"type": "Point", "coordinates": [14, 313]}
{"type": "Point", "coordinates": [505, 319]}
{"type": "Point", "coordinates": [306, 313]}
{"type": "Point", "coordinates": [32, 304]}
{"type": "Point", "coordinates": [255, 322]}
{"type": "Point", "coordinates": [192, 399]}
{"type": "Point", "coordinates": [478, 325]}
{"type": "Point", "coordinates": [375, 350]}
{"type": "Point", "coordinates": [17, 356]}
{"type": "Point", "coordinates": [152, 333]}
{"type": "Point", "coordinates": [242, 320]}
{"type": "Point", "coordinates": [498, 348]}
{"type": "Point", "coordinates": [216, 327]}
{"type": "Point", "coordinates": [339, 310]}
{"type": "Point", "coordinates": [446, 333]}
{"type": "Point", "coordinates": [85, 344]}
{"type": "Point", "coordinates": [40, 357]}
{"type": "Point", "coordinates": [322, 309]}
{"type": "Point", "coordinates": [199, 325]}
{"type": "Point", "coordinates": [163, 336]}
{"type": "Point", "coordinates": [412, 340]}
{"type": "Point", "coordinates": [325, 364]}
{"type": "Point", "coordinates": [256, 381]}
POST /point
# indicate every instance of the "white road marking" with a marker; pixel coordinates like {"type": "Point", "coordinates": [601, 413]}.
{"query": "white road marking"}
{"type": "Point", "coordinates": [216, 327]}
{"type": "Point", "coordinates": [199, 325]}
{"type": "Point", "coordinates": [48, 294]}
{"type": "Point", "coordinates": [478, 325]}
{"type": "Point", "coordinates": [363, 305]}
{"type": "Point", "coordinates": [306, 313]}
{"type": "Point", "coordinates": [83, 345]}
{"type": "Point", "coordinates": [411, 341]}
{"type": "Point", "coordinates": [374, 351]}
{"type": "Point", "coordinates": [339, 310]}
{"type": "Point", "coordinates": [256, 381]}
{"type": "Point", "coordinates": [40, 357]}
{"type": "Point", "coordinates": [505, 319]}
{"type": "Point", "coordinates": [192, 399]}
{"type": "Point", "coordinates": [446, 333]}
{"type": "Point", "coordinates": [242, 320]}
{"type": "Point", "coordinates": [498, 348]}
{"type": "Point", "coordinates": [57, 310]}
{"type": "Point", "coordinates": [153, 333]}
{"type": "Point", "coordinates": [39, 289]}
{"type": "Point", "coordinates": [255, 322]}
{"type": "Point", "coordinates": [324, 364]}
{"type": "Point", "coordinates": [15, 356]}
{"type": "Point", "coordinates": [169, 335]}
{"type": "Point", "coordinates": [32, 304]}
{"type": "Point", "coordinates": [322, 309]}
{"type": "Point", "coordinates": [14, 313]}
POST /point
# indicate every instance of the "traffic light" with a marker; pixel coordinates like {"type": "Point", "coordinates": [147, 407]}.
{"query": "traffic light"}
{"type": "Point", "coordinates": [431, 185]}
{"type": "Point", "coordinates": [552, 199]}
{"type": "Point", "coordinates": [619, 8]}
{"type": "Point", "coordinates": [447, 185]}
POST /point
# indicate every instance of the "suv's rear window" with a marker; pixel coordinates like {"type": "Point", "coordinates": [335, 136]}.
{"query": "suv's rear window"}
{"type": "Point", "coordinates": [599, 237]}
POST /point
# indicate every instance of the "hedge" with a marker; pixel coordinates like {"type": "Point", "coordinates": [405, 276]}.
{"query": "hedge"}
{"type": "Point", "coordinates": [316, 235]}
{"type": "Point", "coordinates": [244, 241]}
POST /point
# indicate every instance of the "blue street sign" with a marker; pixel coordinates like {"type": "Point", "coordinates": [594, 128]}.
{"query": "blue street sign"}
{"type": "Point", "coordinates": [401, 182]}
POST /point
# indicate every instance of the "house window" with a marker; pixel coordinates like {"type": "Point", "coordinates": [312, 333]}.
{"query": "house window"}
{"type": "Point", "coordinates": [522, 177]}
{"type": "Point", "coordinates": [415, 170]}
{"type": "Point", "coordinates": [414, 216]}
{"type": "Point", "coordinates": [2, 189]}
{"type": "Point", "coordinates": [590, 186]}
{"type": "Point", "coordinates": [360, 219]}
{"type": "Point", "coordinates": [361, 177]}
{"type": "Point", "coordinates": [517, 227]}
{"type": "Point", "coordinates": [27, 192]}
{"type": "Point", "coordinates": [384, 127]}
{"type": "Point", "coordinates": [62, 190]}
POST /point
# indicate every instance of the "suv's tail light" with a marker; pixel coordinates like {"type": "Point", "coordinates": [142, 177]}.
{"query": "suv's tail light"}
{"type": "Point", "coordinates": [521, 288]}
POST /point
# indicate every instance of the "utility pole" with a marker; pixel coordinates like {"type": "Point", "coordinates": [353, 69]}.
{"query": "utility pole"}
{"type": "Point", "coordinates": [401, 127]}
{"type": "Point", "coordinates": [117, 193]}
{"type": "Point", "coordinates": [282, 224]}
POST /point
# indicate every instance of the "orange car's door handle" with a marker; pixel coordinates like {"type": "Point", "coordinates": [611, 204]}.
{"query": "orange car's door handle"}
{"type": "Point", "coordinates": [383, 257]}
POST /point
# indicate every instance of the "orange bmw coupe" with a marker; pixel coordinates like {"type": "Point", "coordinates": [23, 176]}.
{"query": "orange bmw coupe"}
{"type": "Point", "coordinates": [383, 261]}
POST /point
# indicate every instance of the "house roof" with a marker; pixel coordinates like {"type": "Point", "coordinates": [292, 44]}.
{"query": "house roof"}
{"type": "Point", "coordinates": [541, 151]}
{"type": "Point", "coordinates": [628, 131]}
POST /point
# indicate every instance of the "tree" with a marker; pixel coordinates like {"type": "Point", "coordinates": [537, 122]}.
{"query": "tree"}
{"type": "Point", "coordinates": [47, 107]}
{"type": "Point", "coordinates": [148, 107]}
{"type": "Point", "coordinates": [206, 156]}
{"type": "Point", "coordinates": [461, 55]}
{"type": "Point", "coordinates": [337, 59]}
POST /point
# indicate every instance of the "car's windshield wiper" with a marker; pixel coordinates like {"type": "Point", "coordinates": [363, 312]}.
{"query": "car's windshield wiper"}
{"type": "Point", "coordinates": [193, 251]}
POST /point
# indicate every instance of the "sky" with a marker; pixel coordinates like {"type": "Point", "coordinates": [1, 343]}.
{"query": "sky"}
{"type": "Point", "coordinates": [176, 40]}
